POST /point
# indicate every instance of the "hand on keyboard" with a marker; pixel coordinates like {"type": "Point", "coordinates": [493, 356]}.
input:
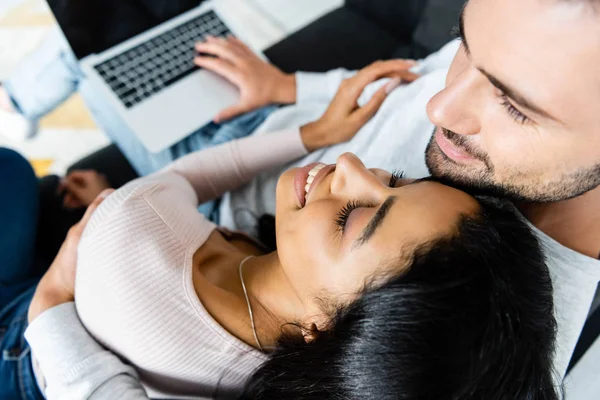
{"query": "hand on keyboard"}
{"type": "Point", "coordinates": [259, 82]}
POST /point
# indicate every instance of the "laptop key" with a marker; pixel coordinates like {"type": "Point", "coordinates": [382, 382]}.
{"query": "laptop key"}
{"type": "Point", "coordinates": [161, 61]}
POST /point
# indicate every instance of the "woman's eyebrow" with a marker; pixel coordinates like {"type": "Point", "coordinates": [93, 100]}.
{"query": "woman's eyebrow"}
{"type": "Point", "coordinates": [375, 222]}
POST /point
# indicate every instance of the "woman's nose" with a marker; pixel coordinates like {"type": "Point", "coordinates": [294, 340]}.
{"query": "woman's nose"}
{"type": "Point", "coordinates": [353, 180]}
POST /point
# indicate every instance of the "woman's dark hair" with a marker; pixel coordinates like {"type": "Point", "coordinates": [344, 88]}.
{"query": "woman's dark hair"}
{"type": "Point", "coordinates": [472, 318]}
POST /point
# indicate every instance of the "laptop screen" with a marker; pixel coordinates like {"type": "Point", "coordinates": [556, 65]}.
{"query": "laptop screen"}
{"type": "Point", "coordinates": [92, 26]}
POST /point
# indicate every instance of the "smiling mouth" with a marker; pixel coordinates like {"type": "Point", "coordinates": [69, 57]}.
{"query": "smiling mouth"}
{"type": "Point", "coordinates": [311, 178]}
{"type": "Point", "coordinates": [307, 178]}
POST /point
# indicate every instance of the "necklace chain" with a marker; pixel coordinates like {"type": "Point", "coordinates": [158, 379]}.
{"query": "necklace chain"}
{"type": "Point", "coordinates": [248, 302]}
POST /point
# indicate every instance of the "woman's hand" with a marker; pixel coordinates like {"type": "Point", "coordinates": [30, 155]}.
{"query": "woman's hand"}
{"type": "Point", "coordinates": [344, 118]}
{"type": "Point", "coordinates": [259, 82]}
{"type": "Point", "coordinates": [58, 284]}
{"type": "Point", "coordinates": [82, 187]}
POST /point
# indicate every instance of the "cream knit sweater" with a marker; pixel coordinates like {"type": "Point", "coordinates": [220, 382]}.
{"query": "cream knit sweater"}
{"type": "Point", "coordinates": [134, 290]}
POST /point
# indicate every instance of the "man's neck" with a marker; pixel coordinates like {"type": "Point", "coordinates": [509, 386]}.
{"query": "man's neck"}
{"type": "Point", "coordinates": [573, 223]}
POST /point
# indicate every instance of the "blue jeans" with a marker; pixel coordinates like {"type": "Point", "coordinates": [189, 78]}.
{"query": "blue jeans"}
{"type": "Point", "coordinates": [18, 274]}
{"type": "Point", "coordinates": [52, 74]}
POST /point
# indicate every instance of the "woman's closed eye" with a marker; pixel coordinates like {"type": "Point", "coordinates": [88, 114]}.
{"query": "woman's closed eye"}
{"type": "Point", "coordinates": [344, 214]}
{"type": "Point", "coordinates": [342, 218]}
{"type": "Point", "coordinates": [396, 176]}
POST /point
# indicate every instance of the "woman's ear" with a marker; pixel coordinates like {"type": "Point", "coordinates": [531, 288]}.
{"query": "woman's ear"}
{"type": "Point", "coordinates": [311, 333]}
{"type": "Point", "coordinates": [314, 327]}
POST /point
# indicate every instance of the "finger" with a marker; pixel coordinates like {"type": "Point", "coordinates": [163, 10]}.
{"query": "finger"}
{"type": "Point", "coordinates": [61, 186]}
{"type": "Point", "coordinates": [353, 88]}
{"type": "Point", "coordinates": [70, 201]}
{"type": "Point", "coordinates": [220, 48]}
{"type": "Point", "coordinates": [94, 205]}
{"type": "Point", "coordinates": [82, 172]}
{"type": "Point", "coordinates": [365, 113]}
{"type": "Point", "coordinates": [379, 70]}
{"type": "Point", "coordinates": [74, 187]}
{"type": "Point", "coordinates": [77, 229]}
{"type": "Point", "coordinates": [220, 67]}
{"type": "Point", "coordinates": [230, 112]}
{"type": "Point", "coordinates": [240, 45]}
{"type": "Point", "coordinates": [82, 177]}
{"type": "Point", "coordinates": [406, 76]}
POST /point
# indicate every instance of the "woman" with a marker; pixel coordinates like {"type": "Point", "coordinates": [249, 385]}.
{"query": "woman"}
{"type": "Point", "coordinates": [197, 310]}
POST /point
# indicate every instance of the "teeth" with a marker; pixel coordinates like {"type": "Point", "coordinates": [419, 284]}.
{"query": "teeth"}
{"type": "Point", "coordinates": [313, 172]}
{"type": "Point", "coordinates": [311, 176]}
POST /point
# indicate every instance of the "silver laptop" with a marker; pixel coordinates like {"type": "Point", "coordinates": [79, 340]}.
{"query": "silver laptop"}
{"type": "Point", "coordinates": [139, 55]}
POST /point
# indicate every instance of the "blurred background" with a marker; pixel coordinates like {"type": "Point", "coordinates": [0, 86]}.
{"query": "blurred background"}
{"type": "Point", "coordinates": [69, 133]}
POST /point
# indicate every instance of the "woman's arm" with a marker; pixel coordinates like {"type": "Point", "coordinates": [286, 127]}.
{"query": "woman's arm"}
{"type": "Point", "coordinates": [213, 172]}
{"type": "Point", "coordinates": [73, 364]}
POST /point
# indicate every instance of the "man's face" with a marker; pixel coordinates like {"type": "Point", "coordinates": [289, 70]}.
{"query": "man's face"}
{"type": "Point", "coordinates": [520, 113]}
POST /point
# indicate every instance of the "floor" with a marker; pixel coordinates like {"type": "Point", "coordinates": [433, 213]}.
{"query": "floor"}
{"type": "Point", "coordinates": [69, 133]}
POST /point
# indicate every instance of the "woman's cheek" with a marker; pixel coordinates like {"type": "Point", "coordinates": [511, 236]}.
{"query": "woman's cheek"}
{"type": "Point", "coordinates": [320, 239]}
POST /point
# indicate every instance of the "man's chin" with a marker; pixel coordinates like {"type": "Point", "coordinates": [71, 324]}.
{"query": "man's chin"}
{"type": "Point", "coordinates": [439, 164]}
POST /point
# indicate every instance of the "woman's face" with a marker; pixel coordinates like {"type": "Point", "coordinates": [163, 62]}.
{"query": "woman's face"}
{"type": "Point", "coordinates": [355, 225]}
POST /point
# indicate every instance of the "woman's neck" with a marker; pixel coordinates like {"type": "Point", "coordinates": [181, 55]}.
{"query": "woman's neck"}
{"type": "Point", "coordinates": [219, 287]}
{"type": "Point", "coordinates": [274, 302]}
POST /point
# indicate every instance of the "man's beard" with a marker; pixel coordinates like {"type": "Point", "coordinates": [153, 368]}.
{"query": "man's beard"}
{"type": "Point", "coordinates": [519, 188]}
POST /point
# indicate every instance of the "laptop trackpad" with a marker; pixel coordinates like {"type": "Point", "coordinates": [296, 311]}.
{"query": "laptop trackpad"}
{"type": "Point", "coordinates": [180, 109]}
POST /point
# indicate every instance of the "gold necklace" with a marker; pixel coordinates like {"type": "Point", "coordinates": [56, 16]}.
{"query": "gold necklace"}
{"type": "Point", "coordinates": [248, 302]}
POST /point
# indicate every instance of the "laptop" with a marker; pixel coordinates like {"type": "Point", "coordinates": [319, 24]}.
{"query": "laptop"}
{"type": "Point", "coordinates": [139, 55]}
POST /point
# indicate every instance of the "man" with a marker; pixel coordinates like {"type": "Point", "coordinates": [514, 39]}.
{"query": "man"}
{"type": "Point", "coordinates": [516, 117]}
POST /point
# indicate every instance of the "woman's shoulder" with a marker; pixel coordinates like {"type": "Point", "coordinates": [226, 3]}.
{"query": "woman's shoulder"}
{"type": "Point", "coordinates": [144, 207]}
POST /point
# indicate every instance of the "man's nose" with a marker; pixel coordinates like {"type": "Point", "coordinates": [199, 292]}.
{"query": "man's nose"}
{"type": "Point", "coordinates": [456, 107]}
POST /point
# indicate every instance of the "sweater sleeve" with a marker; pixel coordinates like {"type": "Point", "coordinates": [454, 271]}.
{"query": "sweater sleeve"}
{"type": "Point", "coordinates": [74, 365]}
{"type": "Point", "coordinates": [217, 170]}
{"type": "Point", "coordinates": [319, 87]}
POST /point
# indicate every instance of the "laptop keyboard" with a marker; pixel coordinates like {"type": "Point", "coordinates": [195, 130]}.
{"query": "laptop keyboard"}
{"type": "Point", "coordinates": [148, 68]}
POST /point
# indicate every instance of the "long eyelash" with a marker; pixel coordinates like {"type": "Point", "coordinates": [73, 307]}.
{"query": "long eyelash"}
{"type": "Point", "coordinates": [517, 115]}
{"type": "Point", "coordinates": [396, 176]}
{"type": "Point", "coordinates": [344, 214]}
{"type": "Point", "coordinates": [455, 32]}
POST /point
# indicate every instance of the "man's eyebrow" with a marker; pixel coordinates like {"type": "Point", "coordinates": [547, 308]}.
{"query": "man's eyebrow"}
{"type": "Point", "coordinates": [375, 222]}
{"type": "Point", "coordinates": [461, 30]}
{"type": "Point", "coordinates": [507, 90]}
